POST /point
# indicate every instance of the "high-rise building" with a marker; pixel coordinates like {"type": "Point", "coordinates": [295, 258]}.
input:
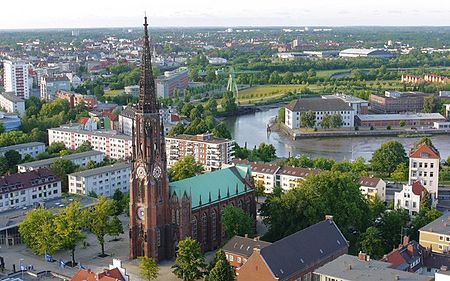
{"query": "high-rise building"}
{"type": "Point", "coordinates": [16, 78]}
{"type": "Point", "coordinates": [172, 80]}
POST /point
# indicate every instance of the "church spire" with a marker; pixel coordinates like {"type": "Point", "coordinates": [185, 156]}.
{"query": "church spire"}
{"type": "Point", "coordinates": [147, 91]}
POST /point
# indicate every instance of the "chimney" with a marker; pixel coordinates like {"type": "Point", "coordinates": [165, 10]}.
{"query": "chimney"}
{"type": "Point", "coordinates": [405, 240]}
{"type": "Point", "coordinates": [246, 235]}
{"type": "Point", "coordinates": [362, 256]}
{"type": "Point", "coordinates": [329, 217]}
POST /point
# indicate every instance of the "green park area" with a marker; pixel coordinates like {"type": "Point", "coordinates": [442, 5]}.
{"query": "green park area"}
{"type": "Point", "coordinates": [112, 93]}
{"type": "Point", "coordinates": [266, 93]}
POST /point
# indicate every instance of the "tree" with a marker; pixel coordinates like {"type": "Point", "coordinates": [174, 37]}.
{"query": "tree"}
{"type": "Point", "coordinates": [236, 222]}
{"type": "Point", "coordinates": [62, 167]}
{"type": "Point", "coordinates": [115, 227]}
{"type": "Point", "coordinates": [423, 218]}
{"type": "Point", "coordinates": [185, 168]}
{"type": "Point", "coordinates": [400, 173]}
{"type": "Point", "coordinates": [336, 121]}
{"type": "Point", "coordinates": [38, 232]}
{"type": "Point", "coordinates": [228, 102]}
{"type": "Point", "coordinates": [326, 122]}
{"type": "Point", "coordinates": [430, 104]}
{"type": "Point", "coordinates": [90, 165]}
{"type": "Point", "coordinates": [148, 268]}
{"type": "Point", "coordinates": [190, 262]}
{"type": "Point", "coordinates": [265, 152]}
{"type": "Point", "coordinates": [308, 119]}
{"type": "Point", "coordinates": [388, 157]}
{"type": "Point", "coordinates": [372, 243]}
{"type": "Point", "coordinates": [281, 114]}
{"type": "Point", "coordinates": [85, 146]}
{"type": "Point", "coordinates": [68, 227]}
{"type": "Point", "coordinates": [99, 221]}
{"type": "Point", "coordinates": [376, 206]}
{"type": "Point", "coordinates": [178, 129]}
{"type": "Point", "coordinates": [55, 147]}
{"type": "Point", "coordinates": [259, 189]}
{"type": "Point", "coordinates": [391, 227]}
{"type": "Point", "coordinates": [12, 158]}
{"type": "Point", "coordinates": [220, 272]}
{"type": "Point", "coordinates": [211, 106]}
{"type": "Point", "coordinates": [221, 131]}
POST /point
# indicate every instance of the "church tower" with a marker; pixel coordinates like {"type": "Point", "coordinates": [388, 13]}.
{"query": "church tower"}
{"type": "Point", "coordinates": [149, 185]}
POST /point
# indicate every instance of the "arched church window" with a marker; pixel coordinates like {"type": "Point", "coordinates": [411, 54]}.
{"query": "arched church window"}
{"type": "Point", "coordinates": [178, 217]}
{"type": "Point", "coordinates": [204, 228]}
{"type": "Point", "coordinates": [194, 228]}
{"type": "Point", "coordinates": [158, 237]}
{"type": "Point", "coordinates": [214, 225]}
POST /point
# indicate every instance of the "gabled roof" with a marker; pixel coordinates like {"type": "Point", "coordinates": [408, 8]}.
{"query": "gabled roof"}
{"type": "Point", "coordinates": [19, 181]}
{"type": "Point", "coordinates": [417, 188]}
{"type": "Point", "coordinates": [318, 104]}
{"type": "Point", "coordinates": [129, 112]}
{"type": "Point", "coordinates": [369, 181]}
{"type": "Point", "coordinates": [243, 246]}
{"type": "Point", "coordinates": [84, 275]}
{"type": "Point", "coordinates": [424, 151]}
{"type": "Point", "coordinates": [258, 167]}
{"type": "Point", "coordinates": [110, 275]}
{"type": "Point", "coordinates": [215, 186]}
{"type": "Point", "coordinates": [297, 171]}
{"type": "Point", "coordinates": [404, 256]}
{"type": "Point", "coordinates": [304, 249]}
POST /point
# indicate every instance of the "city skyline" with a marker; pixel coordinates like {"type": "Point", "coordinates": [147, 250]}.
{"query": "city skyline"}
{"type": "Point", "coordinates": [45, 14]}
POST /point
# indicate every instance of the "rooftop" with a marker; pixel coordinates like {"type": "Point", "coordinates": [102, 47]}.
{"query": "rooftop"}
{"type": "Point", "coordinates": [99, 133]}
{"type": "Point", "coordinates": [71, 157]}
{"type": "Point", "coordinates": [243, 246]}
{"type": "Point", "coordinates": [369, 181]}
{"type": "Point", "coordinates": [424, 151]}
{"type": "Point", "coordinates": [14, 217]}
{"type": "Point", "coordinates": [101, 170]}
{"type": "Point", "coordinates": [19, 181]}
{"type": "Point", "coordinates": [403, 116]}
{"type": "Point", "coordinates": [212, 187]}
{"type": "Point", "coordinates": [304, 249]}
{"type": "Point", "coordinates": [20, 146]}
{"type": "Point", "coordinates": [351, 268]}
{"type": "Point", "coordinates": [440, 225]}
{"type": "Point", "coordinates": [318, 104]}
{"type": "Point", "coordinates": [206, 138]}
{"type": "Point", "coordinates": [12, 97]}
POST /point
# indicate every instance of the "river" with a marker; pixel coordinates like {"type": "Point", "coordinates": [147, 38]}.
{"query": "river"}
{"type": "Point", "coordinates": [251, 130]}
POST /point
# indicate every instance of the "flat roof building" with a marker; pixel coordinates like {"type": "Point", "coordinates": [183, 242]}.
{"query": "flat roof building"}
{"type": "Point", "coordinates": [172, 80]}
{"type": "Point", "coordinates": [366, 53]}
{"type": "Point", "coordinates": [12, 103]}
{"type": "Point", "coordinates": [30, 148]}
{"type": "Point", "coordinates": [396, 120]}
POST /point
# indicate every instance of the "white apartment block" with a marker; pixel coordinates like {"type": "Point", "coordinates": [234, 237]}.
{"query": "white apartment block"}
{"type": "Point", "coordinates": [371, 187]}
{"type": "Point", "coordinates": [103, 181]}
{"type": "Point", "coordinates": [409, 198]}
{"type": "Point", "coordinates": [26, 189]}
{"type": "Point", "coordinates": [16, 78]}
{"type": "Point", "coordinates": [271, 175]}
{"type": "Point", "coordinates": [30, 148]}
{"type": "Point", "coordinates": [213, 153]}
{"type": "Point", "coordinates": [11, 103]}
{"type": "Point", "coordinates": [81, 159]}
{"type": "Point", "coordinates": [113, 145]}
{"type": "Point", "coordinates": [424, 167]}
{"type": "Point", "coordinates": [321, 108]}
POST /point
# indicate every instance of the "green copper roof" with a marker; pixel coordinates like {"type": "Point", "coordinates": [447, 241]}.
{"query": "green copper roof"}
{"type": "Point", "coordinates": [228, 182]}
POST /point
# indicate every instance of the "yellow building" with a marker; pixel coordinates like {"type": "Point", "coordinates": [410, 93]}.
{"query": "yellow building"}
{"type": "Point", "coordinates": [436, 235]}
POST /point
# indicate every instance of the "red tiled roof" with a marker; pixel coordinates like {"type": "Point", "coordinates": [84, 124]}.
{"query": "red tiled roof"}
{"type": "Point", "coordinates": [417, 188]}
{"type": "Point", "coordinates": [424, 151]}
{"type": "Point", "coordinates": [83, 120]}
{"type": "Point", "coordinates": [174, 117]}
{"type": "Point", "coordinates": [394, 258]}
{"type": "Point", "coordinates": [84, 275]}
{"type": "Point", "coordinates": [111, 274]}
{"type": "Point", "coordinates": [297, 172]}
{"type": "Point", "coordinates": [107, 275]}
{"type": "Point", "coordinates": [111, 116]}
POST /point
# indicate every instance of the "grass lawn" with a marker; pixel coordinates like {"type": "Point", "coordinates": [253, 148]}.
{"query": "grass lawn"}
{"type": "Point", "coordinates": [265, 92]}
{"type": "Point", "coordinates": [111, 93]}
{"type": "Point", "coordinates": [329, 73]}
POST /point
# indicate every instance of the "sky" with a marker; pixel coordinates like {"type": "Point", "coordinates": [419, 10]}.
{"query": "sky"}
{"type": "Point", "coordinates": [228, 13]}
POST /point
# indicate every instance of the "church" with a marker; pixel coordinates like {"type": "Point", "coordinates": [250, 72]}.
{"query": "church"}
{"type": "Point", "coordinates": [163, 213]}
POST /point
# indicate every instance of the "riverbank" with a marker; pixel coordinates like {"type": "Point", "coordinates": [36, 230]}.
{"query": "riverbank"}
{"type": "Point", "coordinates": [342, 133]}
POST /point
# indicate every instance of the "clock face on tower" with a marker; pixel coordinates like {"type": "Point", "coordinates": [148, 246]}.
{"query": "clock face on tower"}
{"type": "Point", "coordinates": [141, 213]}
{"type": "Point", "coordinates": [141, 172]}
{"type": "Point", "coordinates": [157, 172]}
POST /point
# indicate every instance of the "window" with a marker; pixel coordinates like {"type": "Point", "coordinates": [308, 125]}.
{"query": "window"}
{"type": "Point", "coordinates": [204, 228]}
{"type": "Point", "coordinates": [238, 259]}
{"type": "Point", "coordinates": [158, 237]}
{"type": "Point", "coordinates": [441, 238]}
{"type": "Point", "coordinates": [431, 165]}
{"type": "Point", "coordinates": [194, 228]}
{"type": "Point", "coordinates": [414, 204]}
{"type": "Point", "coordinates": [214, 225]}
{"type": "Point", "coordinates": [231, 257]}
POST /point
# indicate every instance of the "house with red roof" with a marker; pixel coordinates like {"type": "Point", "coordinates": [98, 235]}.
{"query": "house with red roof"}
{"type": "Point", "coordinates": [409, 198]}
{"type": "Point", "coordinates": [115, 273]}
{"type": "Point", "coordinates": [424, 167]}
{"type": "Point", "coordinates": [409, 256]}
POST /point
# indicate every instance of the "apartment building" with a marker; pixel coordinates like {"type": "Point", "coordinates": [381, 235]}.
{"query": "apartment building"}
{"type": "Point", "coordinates": [30, 148]}
{"type": "Point", "coordinates": [50, 85]}
{"type": "Point", "coordinates": [409, 198]}
{"type": "Point", "coordinates": [25, 189]}
{"type": "Point", "coordinates": [424, 167]}
{"type": "Point", "coordinates": [397, 102]}
{"type": "Point", "coordinates": [321, 108]}
{"type": "Point", "coordinates": [11, 103]}
{"type": "Point", "coordinates": [113, 145]}
{"type": "Point", "coordinates": [75, 99]}
{"type": "Point", "coordinates": [435, 236]}
{"type": "Point", "coordinates": [271, 175]}
{"type": "Point", "coordinates": [16, 78]}
{"type": "Point", "coordinates": [81, 159]}
{"type": "Point", "coordinates": [213, 153]}
{"type": "Point", "coordinates": [103, 181]}
{"type": "Point", "coordinates": [371, 187]}
{"type": "Point", "coordinates": [172, 80]}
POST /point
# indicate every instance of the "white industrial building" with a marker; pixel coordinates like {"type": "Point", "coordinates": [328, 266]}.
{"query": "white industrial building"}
{"type": "Point", "coordinates": [365, 53]}
{"type": "Point", "coordinates": [321, 108]}
{"type": "Point", "coordinates": [12, 103]}
{"type": "Point", "coordinates": [29, 148]}
{"type": "Point", "coordinates": [103, 181]}
{"type": "Point", "coordinates": [81, 159]}
{"type": "Point", "coordinates": [16, 78]}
